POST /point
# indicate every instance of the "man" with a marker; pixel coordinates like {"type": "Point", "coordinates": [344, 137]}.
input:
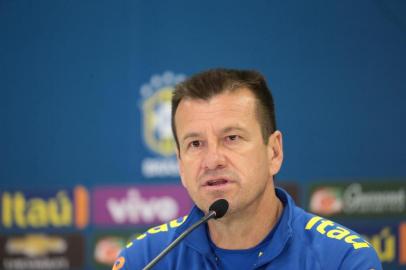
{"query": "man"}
{"type": "Point", "coordinates": [228, 147]}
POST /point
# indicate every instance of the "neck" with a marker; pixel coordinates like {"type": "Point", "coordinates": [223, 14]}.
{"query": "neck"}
{"type": "Point", "coordinates": [247, 228]}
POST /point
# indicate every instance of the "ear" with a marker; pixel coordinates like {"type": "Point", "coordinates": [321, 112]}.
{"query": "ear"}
{"type": "Point", "coordinates": [275, 152]}
{"type": "Point", "coordinates": [180, 166]}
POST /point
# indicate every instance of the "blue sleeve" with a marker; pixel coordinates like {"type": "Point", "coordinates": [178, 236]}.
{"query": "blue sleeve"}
{"type": "Point", "coordinates": [362, 259]}
{"type": "Point", "coordinates": [133, 256]}
{"type": "Point", "coordinates": [120, 263]}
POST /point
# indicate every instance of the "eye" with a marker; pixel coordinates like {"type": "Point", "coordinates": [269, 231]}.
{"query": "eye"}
{"type": "Point", "coordinates": [195, 144]}
{"type": "Point", "coordinates": [232, 138]}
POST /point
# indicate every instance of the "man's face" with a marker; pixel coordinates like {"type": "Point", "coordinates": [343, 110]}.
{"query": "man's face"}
{"type": "Point", "coordinates": [221, 150]}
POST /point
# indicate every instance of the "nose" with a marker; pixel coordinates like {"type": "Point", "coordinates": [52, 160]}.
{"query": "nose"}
{"type": "Point", "coordinates": [214, 157]}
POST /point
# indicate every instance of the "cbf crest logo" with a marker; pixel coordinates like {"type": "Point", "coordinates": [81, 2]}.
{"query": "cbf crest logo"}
{"type": "Point", "coordinates": [157, 132]}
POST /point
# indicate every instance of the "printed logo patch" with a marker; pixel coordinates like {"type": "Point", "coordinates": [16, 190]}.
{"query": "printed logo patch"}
{"type": "Point", "coordinates": [359, 199]}
{"type": "Point", "coordinates": [157, 131]}
{"type": "Point", "coordinates": [119, 264]}
{"type": "Point", "coordinates": [333, 231]}
{"type": "Point", "coordinates": [139, 205]}
{"type": "Point", "coordinates": [36, 251]}
{"type": "Point", "coordinates": [63, 208]}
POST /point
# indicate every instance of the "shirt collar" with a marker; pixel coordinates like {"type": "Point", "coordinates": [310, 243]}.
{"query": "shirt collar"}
{"type": "Point", "coordinates": [198, 238]}
{"type": "Point", "coordinates": [283, 232]}
{"type": "Point", "coordinates": [199, 241]}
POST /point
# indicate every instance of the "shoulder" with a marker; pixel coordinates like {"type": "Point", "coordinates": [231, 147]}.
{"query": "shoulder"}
{"type": "Point", "coordinates": [146, 246]}
{"type": "Point", "coordinates": [334, 245]}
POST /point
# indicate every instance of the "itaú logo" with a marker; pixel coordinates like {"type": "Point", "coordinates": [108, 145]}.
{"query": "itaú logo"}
{"type": "Point", "coordinates": [58, 209]}
{"type": "Point", "coordinates": [390, 243]}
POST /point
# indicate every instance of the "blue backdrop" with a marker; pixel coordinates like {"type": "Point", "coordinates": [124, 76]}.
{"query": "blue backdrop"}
{"type": "Point", "coordinates": [76, 78]}
{"type": "Point", "coordinates": [71, 74]}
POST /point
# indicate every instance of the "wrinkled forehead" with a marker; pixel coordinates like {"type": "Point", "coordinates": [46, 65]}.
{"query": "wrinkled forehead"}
{"type": "Point", "coordinates": [230, 98]}
{"type": "Point", "coordinates": [227, 107]}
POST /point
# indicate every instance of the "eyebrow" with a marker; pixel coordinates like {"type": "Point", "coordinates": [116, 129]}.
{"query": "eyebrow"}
{"type": "Point", "coordinates": [191, 135]}
{"type": "Point", "coordinates": [223, 131]}
{"type": "Point", "coordinates": [232, 128]}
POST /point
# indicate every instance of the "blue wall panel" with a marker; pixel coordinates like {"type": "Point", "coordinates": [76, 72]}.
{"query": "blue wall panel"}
{"type": "Point", "coordinates": [72, 74]}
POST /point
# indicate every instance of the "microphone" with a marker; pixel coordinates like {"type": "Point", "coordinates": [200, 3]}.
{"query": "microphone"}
{"type": "Point", "coordinates": [217, 210]}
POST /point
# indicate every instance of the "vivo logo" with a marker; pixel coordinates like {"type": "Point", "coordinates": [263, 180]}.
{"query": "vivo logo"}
{"type": "Point", "coordinates": [139, 205]}
{"type": "Point", "coordinates": [136, 209]}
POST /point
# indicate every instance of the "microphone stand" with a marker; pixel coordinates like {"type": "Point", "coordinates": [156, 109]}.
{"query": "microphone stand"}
{"type": "Point", "coordinates": [211, 214]}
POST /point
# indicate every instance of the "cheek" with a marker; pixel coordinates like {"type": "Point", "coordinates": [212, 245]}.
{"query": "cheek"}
{"type": "Point", "coordinates": [257, 164]}
{"type": "Point", "coordinates": [188, 170]}
{"type": "Point", "coordinates": [181, 171]}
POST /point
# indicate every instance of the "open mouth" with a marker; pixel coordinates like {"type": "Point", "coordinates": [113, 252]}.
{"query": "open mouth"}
{"type": "Point", "coordinates": [216, 182]}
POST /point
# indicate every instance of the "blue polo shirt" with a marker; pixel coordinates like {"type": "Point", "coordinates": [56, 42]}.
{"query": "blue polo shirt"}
{"type": "Point", "coordinates": [243, 258]}
{"type": "Point", "coordinates": [300, 241]}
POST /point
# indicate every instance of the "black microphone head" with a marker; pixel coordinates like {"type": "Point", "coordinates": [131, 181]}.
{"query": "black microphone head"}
{"type": "Point", "coordinates": [220, 207]}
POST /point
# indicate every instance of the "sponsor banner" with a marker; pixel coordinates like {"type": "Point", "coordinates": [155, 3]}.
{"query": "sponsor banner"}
{"type": "Point", "coordinates": [293, 189]}
{"type": "Point", "coordinates": [42, 252]}
{"type": "Point", "coordinates": [106, 246]}
{"type": "Point", "coordinates": [61, 208]}
{"type": "Point", "coordinates": [156, 111]}
{"type": "Point", "coordinates": [389, 241]}
{"type": "Point", "coordinates": [358, 199]}
{"type": "Point", "coordinates": [139, 205]}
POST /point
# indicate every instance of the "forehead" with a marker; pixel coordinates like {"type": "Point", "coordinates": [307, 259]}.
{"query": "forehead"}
{"type": "Point", "coordinates": [235, 107]}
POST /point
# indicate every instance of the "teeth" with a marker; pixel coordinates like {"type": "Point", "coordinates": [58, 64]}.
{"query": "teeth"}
{"type": "Point", "coordinates": [216, 182]}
